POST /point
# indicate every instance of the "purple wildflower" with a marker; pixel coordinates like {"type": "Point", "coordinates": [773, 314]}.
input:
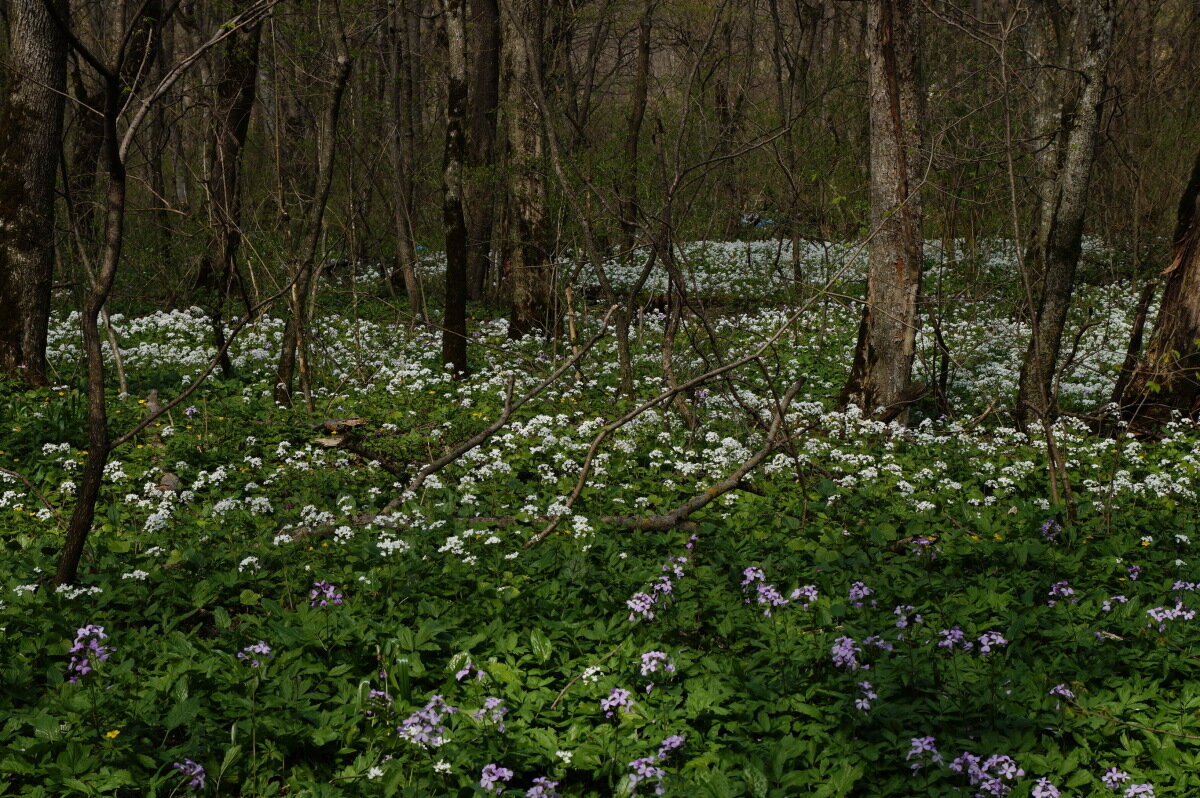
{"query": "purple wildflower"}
{"type": "Point", "coordinates": [190, 411]}
{"type": "Point", "coordinates": [642, 604]}
{"type": "Point", "coordinates": [85, 651]}
{"type": "Point", "coordinates": [1062, 690]}
{"type": "Point", "coordinates": [751, 575]}
{"type": "Point", "coordinates": [193, 771]}
{"type": "Point", "coordinates": [1107, 605]}
{"type": "Point", "coordinates": [806, 592]}
{"type": "Point", "coordinates": [651, 661]}
{"type": "Point", "coordinates": [1134, 572]}
{"type": "Point", "coordinates": [1050, 530]}
{"type": "Point", "coordinates": [1114, 778]}
{"type": "Point", "coordinates": [770, 596]}
{"type": "Point", "coordinates": [617, 698]}
{"type": "Point", "coordinates": [1059, 590]}
{"type": "Point", "coordinates": [867, 695]}
{"type": "Point", "coordinates": [845, 653]}
{"type": "Point", "coordinates": [858, 592]}
{"type": "Point", "coordinates": [646, 769]}
{"type": "Point", "coordinates": [426, 727]}
{"type": "Point", "coordinates": [989, 640]}
{"type": "Point", "coordinates": [902, 612]}
{"type": "Point", "coordinates": [323, 594]}
{"type": "Point", "coordinates": [1139, 791]}
{"type": "Point", "coordinates": [492, 776]}
{"type": "Point", "coordinates": [542, 788]}
{"type": "Point", "coordinates": [1161, 615]}
{"type": "Point", "coordinates": [920, 746]}
{"type": "Point", "coordinates": [1044, 789]}
{"type": "Point", "coordinates": [259, 649]}
{"type": "Point", "coordinates": [670, 744]}
{"type": "Point", "coordinates": [493, 711]}
{"type": "Point", "coordinates": [954, 637]}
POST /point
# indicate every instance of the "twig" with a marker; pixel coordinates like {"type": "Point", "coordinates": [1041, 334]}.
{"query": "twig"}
{"type": "Point", "coordinates": [35, 490]}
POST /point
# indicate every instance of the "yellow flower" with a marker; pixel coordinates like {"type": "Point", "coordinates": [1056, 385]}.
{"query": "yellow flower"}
{"type": "Point", "coordinates": [998, 536]}
{"type": "Point", "coordinates": [112, 735]}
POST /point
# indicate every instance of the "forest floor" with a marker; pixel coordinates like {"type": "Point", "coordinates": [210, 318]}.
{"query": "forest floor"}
{"type": "Point", "coordinates": [873, 610]}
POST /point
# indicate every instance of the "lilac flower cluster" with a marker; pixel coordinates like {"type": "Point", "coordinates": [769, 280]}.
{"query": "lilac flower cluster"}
{"type": "Point", "coordinates": [1060, 590]}
{"type": "Point", "coordinates": [652, 661]}
{"type": "Point", "coordinates": [642, 604]}
{"type": "Point", "coordinates": [618, 698]}
{"type": "Point", "coordinates": [426, 727]}
{"type": "Point", "coordinates": [1108, 602]}
{"type": "Point", "coordinates": [1114, 778]}
{"type": "Point", "coordinates": [493, 711]}
{"type": "Point", "coordinates": [866, 696]}
{"type": "Point", "coordinates": [769, 595]}
{"type": "Point", "coordinates": [323, 594]}
{"type": "Point", "coordinates": [1050, 530]}
{"type": "Point", "coordinates": [990, 640]}
{"type": "Point", "coordinates": [1062, 690]}
{"type": "Point", "coordinates": [902, 613]}
{"type": "Point", "coordinates": [193, 771]}
{"type": "Point", "coordinates": [465, 671]}
{"type": "Point", "coordinates": [86, 650]}
{"type": "Point", "coordinates": [845, 654]}
{"type": "Point", "coordinates": [253, 652]}
{"type": "Point", "coordinates": [542, 788]}
{"type": "Point", "coordinates": [954, 637]}
{"type": "Point", "coordinates": [493, 778]}
{"type": "Point", "coordinates": [1044, 789]}
{"type": "Point", "coordinates": [1161, 615]}
{"type": "Point", "coordinates": [991, 776]}
{"type": "Point", "coordinates": [925, 750]}
{"type": "Point", "coordinates": [649, 769]}
{"type": "Point", "coordinates": [1134, 572]}
{"type": "Point", "coordinates": [858, 592]}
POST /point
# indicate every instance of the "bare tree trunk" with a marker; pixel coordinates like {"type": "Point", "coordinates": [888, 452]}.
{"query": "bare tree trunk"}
{"type": "Point", "coordinates": [526, 245]}
{"type": "Point", "coordinates": [454, 322]}
{"type": "Point", "coordinates": [403, 146]}
{"type": "Point", "coordinates": [1055, 253]}
{"type": "Point", "coordinates": [293, 349]}
{"type": "Point", "coordinates": [628, 191]}
{"type": "Point", "coordinates": [482, 103]}
{"type": "Point", "coordinates": [1168, 377]}
{"type": "Point", "coordinates": [236, 79]}
{"type": "Point", "coordinates": [882, 371]}
{"type": "Point", "coordinates": [30, 137]}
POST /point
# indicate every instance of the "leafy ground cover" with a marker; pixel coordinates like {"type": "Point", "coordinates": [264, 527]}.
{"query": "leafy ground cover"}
{"type": "Point", "coordinates": [877, 611]}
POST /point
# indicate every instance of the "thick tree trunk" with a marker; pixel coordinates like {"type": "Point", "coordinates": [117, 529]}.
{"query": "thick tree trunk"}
{"type": "Point", "coordinates": [1167, 378]}
{"type": "Point", "coordinates": [482, 103]}
{"type": "Point", "coordinates": [454, 322]}
{"type": "Point", "coordinates": [882, 371]}
{"type": "Point", "coordinates": [530, 263]}
{"type": "Point", "coordinates": [1055, 252]}
{"type": "Point", "coordinates": [30, 136]}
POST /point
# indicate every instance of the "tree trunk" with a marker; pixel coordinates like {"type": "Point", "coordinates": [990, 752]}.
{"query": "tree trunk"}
{"type": "Point", "coordinates": [403, 145]}
{"type": "Point", "coordinates": [882, 371]}
{"type": "Point", "coordinates": [236, 79]}
{"type": "Point", "coordinates": [1055, 253]}
{"type": "Point", "coordinates": [30, 137]}
{"type": "Point", "coordinates": [628, 191]}
{"type": "Point", "coordinates": [482, 103]}
{"type": "Point", "coordinates": [454, 322]}
{"type": "Point", "coordinates": [1168, 377]}
{"type": "Point", "coordinates": [530, 263]}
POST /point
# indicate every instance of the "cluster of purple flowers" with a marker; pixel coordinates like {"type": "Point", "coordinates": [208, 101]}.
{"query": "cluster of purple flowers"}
{"type": "Point", "coordinates": [427, 726]}
{"type": "Point", "coordinates": [990, 640]}
{"type": "Point", "coordinates": [542, 788]}
{"type": "Point", "coordinates": [493, 711]}
{"type": "Point", "coordinates": [925, 750]}
{"type": "Point", "coordinates": [845, 654]}
{"type": "Point", "coordinates": [992, 776]}
{"type": "Point", "coordinates": [1062, 690]}
{"type": "Point", "coordinates": [1050, 530]}
{"type": "Point", "coordinates": [193, 771]}
{"type": "Point", "coordinates": [618, 698]}
{"type": "Point", "coordinates": [641, 604]}
{"type": "Point", "coordinates": [649, 768]}
{"type": "Point", "coordinates": [253, 652]}
{"type": "Point", "coordinates": [1134, 572]}
{"type": "Point", "coordinates": [1060, 590]}
{"type": "Point", "coordinates": [494, 777]}
{"type": "Point", "coordinates": [86, 650]}
{"type": "Point", "coordinates": [1108, 602]}
{"type": "Point", "coordinates": [1044, 789]}
{"type": "Point", "coordinates": [769, 596]}
{"type": "Point", "coordinates": [866, 696]}
{"type": "Point", "coordinates": [1114, 778]}
{"type": "Point", "coordinates": [465, 671]}
{"type": "Point", "coordinates": [1161, 615]}
{"type": "Point", "coordinates": [858, 592]}
{"type": "Point", "coordinates": [902, 613]}
{"type": "Point", "coordinates": [323, 594]}
{"type": "Point", "coordinates": [378, 699]}
{"type": "Point", "coordinates": [955, 638]}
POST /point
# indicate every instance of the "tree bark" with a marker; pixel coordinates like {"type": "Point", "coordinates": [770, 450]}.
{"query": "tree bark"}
{"type": "Point", "coordinates": [628, 190]}
{"type": "Point", "coordinates": [1167, 378]}
{"type": "Point", "coordinates": [1055, 252]}
{"type": "Point", "coordinates": [403, 147]}
{"type": "Point", "coordinates": [30, 137]}
{"type": "Point", "coordinates": [482, 103]}
{"type": "Point", "coordinates": [454, 322]}
{"type": "Point", "coordinates": [880, 378]}
{"type": "Point", "coordinates": [530, 263]}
